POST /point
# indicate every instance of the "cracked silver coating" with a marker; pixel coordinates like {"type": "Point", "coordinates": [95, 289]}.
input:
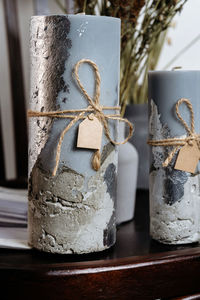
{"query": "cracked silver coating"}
{"type": "Point", "coordinates": [174, 195]}
{"type": "Point", "coordinates": [47, 68]}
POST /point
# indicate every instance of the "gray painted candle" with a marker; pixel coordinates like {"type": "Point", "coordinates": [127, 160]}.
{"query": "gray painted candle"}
{"type": "Point", "coordinates": [73, 211]}
{"type": "Point", "coordinates": [174, 194]}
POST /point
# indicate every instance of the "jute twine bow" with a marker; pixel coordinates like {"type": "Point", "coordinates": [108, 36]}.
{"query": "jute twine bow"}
{"type": "Point", "coordinates": [179, 142]}
{"type": "Point", "coordinates": [95, 107]}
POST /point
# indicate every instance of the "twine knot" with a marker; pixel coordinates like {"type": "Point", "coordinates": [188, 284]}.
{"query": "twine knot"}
{"type": "Point", "coordinates": [94, 107]}
{"type": "Point", "coordinates": [179, 142]}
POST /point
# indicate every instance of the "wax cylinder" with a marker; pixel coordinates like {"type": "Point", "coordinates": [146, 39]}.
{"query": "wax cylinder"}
{"type": "Point", "coordinates": [72, 212]}
{"type": "Point", "coordinates": [174, 194]}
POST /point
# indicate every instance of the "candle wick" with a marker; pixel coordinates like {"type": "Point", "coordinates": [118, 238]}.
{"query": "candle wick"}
{"type": "Point", "coordinates": [176, 68]}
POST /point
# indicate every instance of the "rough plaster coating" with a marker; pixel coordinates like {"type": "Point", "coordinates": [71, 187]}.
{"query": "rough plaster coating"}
{"type": "Point", "coordinates": [174, 195]}
{"type": "Point", "coordinates": [71, 217]}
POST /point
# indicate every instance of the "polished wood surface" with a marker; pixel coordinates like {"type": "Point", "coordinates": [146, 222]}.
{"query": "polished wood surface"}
{"type": "Point", "coordinates": [135, 268]}
{"type": "Point", "coordinates": [191, 297]}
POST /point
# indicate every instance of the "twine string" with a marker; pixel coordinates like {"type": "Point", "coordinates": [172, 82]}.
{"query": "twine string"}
{"type": "Point", "coordinates": [179, 142]}
{"type": "Point", "coordinates": [189, 105]}
{"type": "Point", "coordinates": [77, 114]}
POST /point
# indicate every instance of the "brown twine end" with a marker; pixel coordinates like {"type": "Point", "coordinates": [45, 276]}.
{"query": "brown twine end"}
{"type": "Point", "coordinates": [96, 160]}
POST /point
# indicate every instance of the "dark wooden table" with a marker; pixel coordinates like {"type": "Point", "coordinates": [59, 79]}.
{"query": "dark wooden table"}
{"type": "Point", "coordinates": [135, 268]}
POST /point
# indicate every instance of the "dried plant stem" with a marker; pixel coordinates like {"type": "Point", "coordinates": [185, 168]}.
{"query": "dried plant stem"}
{"type": "Point", "coordinates": [62, 7]}
{"type": "Point", "coordinates": [84, 6]}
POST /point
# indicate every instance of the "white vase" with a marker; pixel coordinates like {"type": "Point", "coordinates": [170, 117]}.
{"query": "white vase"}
{"type": "Point", "coordinates": [138, 114]}
{"type": "Point", "coordinates": [126, 179]}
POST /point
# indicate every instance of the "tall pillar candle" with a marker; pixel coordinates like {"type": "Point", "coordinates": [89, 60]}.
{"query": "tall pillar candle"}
{"type": "Point", "coordinates": [174, 194]}
{"type": "Point", "coordinates": [72, 212]}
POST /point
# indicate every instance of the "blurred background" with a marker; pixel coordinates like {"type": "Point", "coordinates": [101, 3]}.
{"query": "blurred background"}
{"type": "Point", "coordinates": [181, 48]}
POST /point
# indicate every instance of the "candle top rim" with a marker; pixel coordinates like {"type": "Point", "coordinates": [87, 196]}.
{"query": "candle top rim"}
{"type": "Point", "coordinates": [76, 15]}
{"type": "Point", "coordinates": [173, 71]}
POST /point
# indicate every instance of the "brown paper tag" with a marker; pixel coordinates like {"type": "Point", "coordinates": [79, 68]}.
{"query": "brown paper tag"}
{"type": "Point", "coordinates": [188, 158]}
{"type": "Point", "coordinates": [90, 133]}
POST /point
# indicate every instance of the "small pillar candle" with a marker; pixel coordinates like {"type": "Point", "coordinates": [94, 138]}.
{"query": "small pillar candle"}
{"type": "Point", "coordinates": [174, 194]}
{"type": "Point", "coordinates": [73, 211]}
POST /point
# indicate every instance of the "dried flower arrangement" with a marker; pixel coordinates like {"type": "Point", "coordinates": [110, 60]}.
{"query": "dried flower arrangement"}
{"type": "Point", "coordinates": [143, 30]}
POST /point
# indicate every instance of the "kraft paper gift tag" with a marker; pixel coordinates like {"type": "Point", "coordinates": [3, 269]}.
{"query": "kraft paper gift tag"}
{"type": "Point", "coordinates": [188, 158]}
{"type": "Point", "coordinates": [90, 133]}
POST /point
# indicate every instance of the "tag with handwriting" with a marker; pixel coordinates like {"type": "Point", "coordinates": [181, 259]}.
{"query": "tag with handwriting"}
{"type": "Point", "coordinates": [188, 158]}
{"type": "Point", "coordinates": [90, 133]}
